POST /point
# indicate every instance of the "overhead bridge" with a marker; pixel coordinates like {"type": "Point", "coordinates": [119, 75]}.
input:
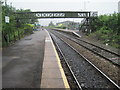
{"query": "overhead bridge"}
{"type": "Point", "coordinates": [56, 14]}
{"type": "Point", "coordinates": [87, 15]}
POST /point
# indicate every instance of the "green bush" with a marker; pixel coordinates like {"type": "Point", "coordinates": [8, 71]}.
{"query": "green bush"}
{"type": "Point", "coordinates": [107, 29]}
{"type": "Point", "coordinates": [28, 29]}
{"type": "Point", "coordinates": [17, 28]}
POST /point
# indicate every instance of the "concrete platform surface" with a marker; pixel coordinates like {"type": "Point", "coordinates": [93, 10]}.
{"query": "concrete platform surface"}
{"type": "Point", "coordinates": [52, 75]}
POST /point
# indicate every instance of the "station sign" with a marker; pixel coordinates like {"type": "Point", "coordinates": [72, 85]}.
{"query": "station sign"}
{"type": "Point", "coordinates": [7, 19]}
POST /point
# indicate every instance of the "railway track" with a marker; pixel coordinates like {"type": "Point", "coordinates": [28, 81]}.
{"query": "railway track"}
{"type": "Point", "coordinates": [102, 52]}
{"type": "Point", "coordinates": [77, 86]}
{"type": "Point", "coordinates": [86, 74]}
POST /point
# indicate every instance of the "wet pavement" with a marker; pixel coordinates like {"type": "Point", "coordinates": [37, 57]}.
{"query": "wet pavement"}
{"type": "Point", "coordinates": [22, 62]}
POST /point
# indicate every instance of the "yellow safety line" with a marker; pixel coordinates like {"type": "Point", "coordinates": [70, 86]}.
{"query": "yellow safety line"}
{"type": "Point", "coordinates": [60, 67]}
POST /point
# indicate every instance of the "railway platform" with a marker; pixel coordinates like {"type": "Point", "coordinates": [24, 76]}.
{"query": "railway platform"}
{"type": "Point", "coordinates": [33, 62]}
{"type": "Point", "coordinates": [52, 74]}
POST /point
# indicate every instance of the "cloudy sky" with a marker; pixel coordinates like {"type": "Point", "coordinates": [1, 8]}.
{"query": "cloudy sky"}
{"type": "Point", "coordinates": [102, 6]}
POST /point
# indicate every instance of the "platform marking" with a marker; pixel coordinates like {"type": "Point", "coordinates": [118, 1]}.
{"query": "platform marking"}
{"type": "Point", "coordinates": [59, 64]}
{"type": "Point", "coordinates": [47, 40]}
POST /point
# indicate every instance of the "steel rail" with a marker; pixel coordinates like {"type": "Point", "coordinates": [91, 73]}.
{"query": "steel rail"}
{"type": "Point", "coordinates": [117, 54]}
{"type": "Point", "coordinates": [117, 86]}
{"type": "Point", "coordinates": [107, 50]}
{"type": "Point", "coordinates": [80, 88]}
{"type": "Point", "coordinates": [93, 50]}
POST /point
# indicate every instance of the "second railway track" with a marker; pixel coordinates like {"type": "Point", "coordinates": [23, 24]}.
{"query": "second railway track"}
{"type": "Point", "coordinates": [105, 53]}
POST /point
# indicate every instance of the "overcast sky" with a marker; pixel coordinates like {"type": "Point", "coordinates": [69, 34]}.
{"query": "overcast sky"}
{"type": "Point", "coordinates": [102, 6]}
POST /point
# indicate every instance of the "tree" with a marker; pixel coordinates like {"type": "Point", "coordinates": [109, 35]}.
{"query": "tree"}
{"type": "Point", "coordinates": [17, 27]}
{"type": "Point", "coordinates": [107, 28]}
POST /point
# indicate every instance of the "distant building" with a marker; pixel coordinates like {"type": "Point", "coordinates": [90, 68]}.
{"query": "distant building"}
{"type": "Point", "coordinates": [119, 7]}
{"type": "Point", "coordinates": [51, 24]}
{"type": "Point", "coordinates": [69, 25]}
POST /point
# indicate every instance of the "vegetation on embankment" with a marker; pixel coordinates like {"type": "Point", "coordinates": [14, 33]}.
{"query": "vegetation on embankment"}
{"type": "Point", "coordinates": [16, 28]}
{"type": "Point", "coordinates": [106, 28]}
